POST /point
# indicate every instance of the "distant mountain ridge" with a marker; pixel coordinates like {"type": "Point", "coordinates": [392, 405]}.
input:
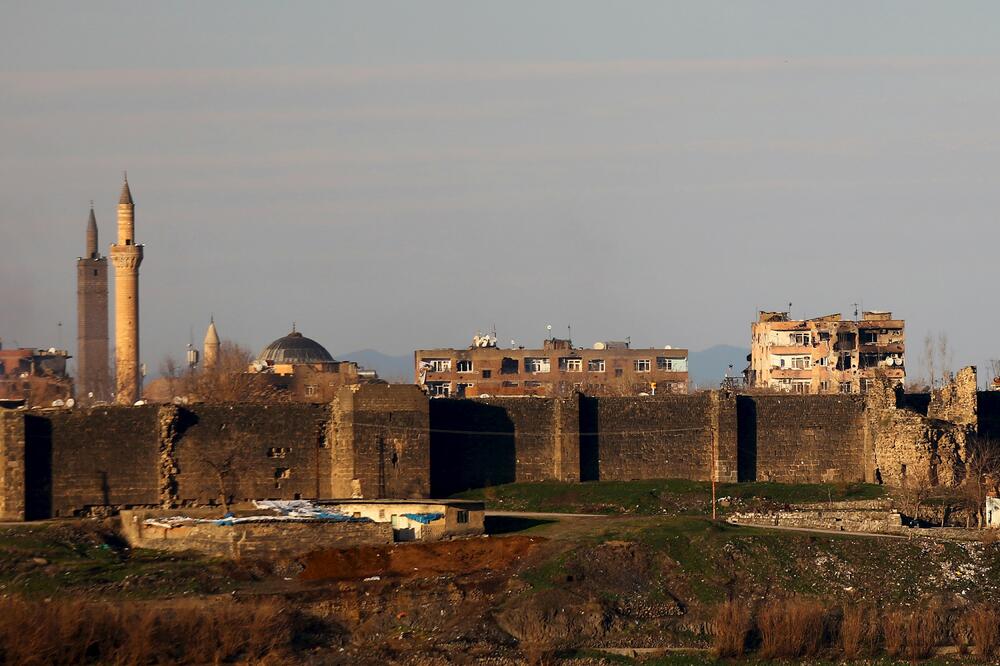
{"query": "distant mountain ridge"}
{"type": "Point", "coordinates": [389, 368]}
{"type": "Point", "coordinates": [706, 367]}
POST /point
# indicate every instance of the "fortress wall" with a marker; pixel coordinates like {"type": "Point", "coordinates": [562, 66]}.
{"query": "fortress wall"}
{"type": "Point", "coordinates": [381, 445]}
{"type": "Point", "coordinates": [655, 437]}
{"type": "Point", "coordinates": [801, 438]}
{"type": "Point", "coordinates": [245, 451]}
{"type": "Point", "coordinates": [96, 457]}
{"type": "Point", "coordinates": [11, 465]}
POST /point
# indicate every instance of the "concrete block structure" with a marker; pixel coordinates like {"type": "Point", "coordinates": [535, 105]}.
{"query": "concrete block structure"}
{"type": "Point", "coordinates": [827, 354]}
{"type": "Point", "coordinates": [558, 369]}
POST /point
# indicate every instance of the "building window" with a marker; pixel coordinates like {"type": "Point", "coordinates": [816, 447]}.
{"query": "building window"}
{"type": "Point", "coordinates": [508, 366]}
{"type": "Point", "coordinates": [310, 389]}
{"type": "Point", "coordinates": [571, 364]}
{"type": "Point", "coordinates": [537, 364]}
{"type": "Point", "coordinates": [508, 384]}
{"type": "Point", "coordinates": [595, 365]}
{"type": "Point", "coordinates": [532, 384]}
{"type": "Point", "coordinates": [641, 365]}
{"type": "Point", "coordinates": [801, 362]}
{"type": "Point", "coordinates": [438, 364]}
{"type": "Point", "coordinates": [869, 337]}
{"type": "Point", "coordinates": [463, 389]}
{"type": "Point", "coordinates": [439, 388]}
{"type": "Point", "coordinates": [462, 516]}
{"type": "Point", "coordinates": [866, 384]}
{"type": "Point", "coordinates": [800, 339]}
{"type": "Point", "coordinates": [464, 366]}
{"type": "Point", "coordinates": [824, 386]}
{"type": "Point", "coordinates": [667, 364]}
{"type": "Point", "coordinates": [618, 372]}
{"type": "Point", "coordinates": [845, 387]}
{"type": "Point", "coordinates": [487, 374]}
{"type": "Point", "coordinates": [800, 387]}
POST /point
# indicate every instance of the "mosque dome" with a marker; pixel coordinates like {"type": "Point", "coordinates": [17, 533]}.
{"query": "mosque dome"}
{"type": "Point", "coordinates": [295, 348]}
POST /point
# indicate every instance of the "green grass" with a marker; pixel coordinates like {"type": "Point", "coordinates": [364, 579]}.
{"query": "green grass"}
{"type": "Point", "coordinates": [660, 496]}
{"type": "Point", "coordinates": [59, 558]}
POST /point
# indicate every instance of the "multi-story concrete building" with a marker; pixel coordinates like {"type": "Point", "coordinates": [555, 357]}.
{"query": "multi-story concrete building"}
{"type": "Point", "coordinates": [558, 368]}
{"type": "Point", "coordinates": [37, 376]}
{"type": "Point", "coordinates": [93, 373]}
{"type": "Point", "coordinates": [826, 354]}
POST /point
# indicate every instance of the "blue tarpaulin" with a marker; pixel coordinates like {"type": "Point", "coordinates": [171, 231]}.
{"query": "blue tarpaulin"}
{"type": "Point", "coordinates": [424, 518]}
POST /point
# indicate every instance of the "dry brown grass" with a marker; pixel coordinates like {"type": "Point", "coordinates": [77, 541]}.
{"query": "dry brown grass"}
{"type": "Point", "coordinates": [730, 629]}
{"type": "Point", "coordinates": [983, 623]}
{"type": "Point", "coordinates": [912, 634]}
{"type": "Point", "coordinates": [78, 632]}
{"type": "Point", "coordinates": [857, 631]}
{"type": "Point", "coordinates": [791, 628]}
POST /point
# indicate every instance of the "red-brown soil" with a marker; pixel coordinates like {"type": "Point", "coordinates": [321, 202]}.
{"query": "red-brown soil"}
{"type": "Point", "coordinates": [419, 560]}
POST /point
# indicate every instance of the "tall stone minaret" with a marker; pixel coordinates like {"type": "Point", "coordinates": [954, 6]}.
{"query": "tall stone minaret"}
{"type": "Point", "coordinates": [211, 346]}
{"type": "Point", "coordinates": [126, 256]}
{"type": "Point", "coordinates": [93, 378]}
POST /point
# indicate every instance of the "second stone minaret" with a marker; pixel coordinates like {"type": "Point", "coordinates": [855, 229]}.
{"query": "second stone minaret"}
{"type": "Point", "coordinates": [211, 348]}
{"type": "Point", "coordinates": [126, 257]}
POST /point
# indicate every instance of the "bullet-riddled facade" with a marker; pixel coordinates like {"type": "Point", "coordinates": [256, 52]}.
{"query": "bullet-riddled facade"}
{"type": "Point", "coordinates": [826, 354]}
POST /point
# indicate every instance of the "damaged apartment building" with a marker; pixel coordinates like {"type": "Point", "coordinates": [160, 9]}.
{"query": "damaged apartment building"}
{"type": "Point", "coordinates": [557, 369]}
{"type": "Point", "coordinates": [825, 354]}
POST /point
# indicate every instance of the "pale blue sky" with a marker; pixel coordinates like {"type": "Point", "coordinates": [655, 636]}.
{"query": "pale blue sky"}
{"type": "Point", "coordinates": [397, 175]}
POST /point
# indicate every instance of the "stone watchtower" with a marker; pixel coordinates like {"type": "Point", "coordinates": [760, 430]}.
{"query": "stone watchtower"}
{"type": "Point", "coordinates": [126, 256]}
{"type": "Point", "coordinates": [211, 346]}
{"type": "Point", "coordinates": [93, 376]}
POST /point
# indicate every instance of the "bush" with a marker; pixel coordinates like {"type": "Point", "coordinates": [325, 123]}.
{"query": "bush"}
{"type": "Point", "coordinates": [857, 632]}
{"type": "Point", "coordinates": [791, 628]}
{"type": "Point", "coordinates": [731, 628]}
{"type": "Point", "coordinates": [190, 631]}
{"type": "Point", "coordinates": [982, 623]}
{"type": "Point", "coordinates": [912, 634]}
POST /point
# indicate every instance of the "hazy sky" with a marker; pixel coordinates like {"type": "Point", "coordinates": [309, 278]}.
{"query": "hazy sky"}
{"type": "Point", "coordinates": [400, 174]}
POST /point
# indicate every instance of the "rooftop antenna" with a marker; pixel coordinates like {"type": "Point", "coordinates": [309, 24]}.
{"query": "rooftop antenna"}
{"type": "Point", "coordinates": [789, 309]}
{"type": "Point", "coordinates": [569, 333]}
{"type": "Point", "coordinates": [855, 311]}
{"type": "Point", "coordinates": [548, 327]}
{"type": "Point", "coordinates": [293, 327]}
{"type": "Point", "coordinates": [59, 336]}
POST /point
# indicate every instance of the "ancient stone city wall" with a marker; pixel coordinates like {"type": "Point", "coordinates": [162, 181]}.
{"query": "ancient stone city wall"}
{"type": "Point", "coordinates": [391, 441]}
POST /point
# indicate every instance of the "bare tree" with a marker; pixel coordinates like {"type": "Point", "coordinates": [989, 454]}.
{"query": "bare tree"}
{"type": "Point", "coordinates": [228, 460]}
{"type": "Point", "coordinates": [944, 356]}
{"type": "Point", "coordinates": [982, 476]}
{"type": "Point", "coordinates": [929, 359]}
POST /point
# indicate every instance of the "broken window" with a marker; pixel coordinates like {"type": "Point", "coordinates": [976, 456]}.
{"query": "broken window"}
{"type": "Point", "coordinates": [537, 364]}
{"type": "Point", "coordinates": [464, 366]}
{"type": "Point", "coordinates": [845, 341]}
{"type": "Point", "coordinates": [487, 374]}
{"type": "Point", "coordinates": [595, 365]}
{"type": "Point", "coordinates": [442, 389]}
{"type": "Point", "coordinates": [845, 387]}
{"type": "Point", "coordinates": [869, 337]}
{"type": "Point", "coordinates": [438, 364]}
{"type": "Point", "coordinates": [641, 365]}
{"type": "Point", "coordinates": [618, 372]}
{"type": "Point", "coordinates": [571, 364]}
{"type": "Point", "coordinates": [508, 366]}
{"type": "Point", "coordinates": [844, 361]}
{"type": "Point", "coordinates": [800, 339]}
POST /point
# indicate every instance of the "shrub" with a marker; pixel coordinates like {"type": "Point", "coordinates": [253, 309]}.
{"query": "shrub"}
{"type": "Point", "coordinates": [791, 628]}
{"type": "Point", "coordinates": [731, 628]}
{"type": "Point", "coordinates": [189, 631]}
{"type": "Point", "coordinates": [857, 631]}
{"type": "Point", "coordinates": [982, 623]}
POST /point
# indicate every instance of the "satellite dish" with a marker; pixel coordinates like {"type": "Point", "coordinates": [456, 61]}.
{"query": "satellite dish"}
{"type": "Point", "coordinates": [600, 345]}
{"type": "Point", "coordinates": [58, 403]}
{"type": "Point", "coordinates": [70, 402]}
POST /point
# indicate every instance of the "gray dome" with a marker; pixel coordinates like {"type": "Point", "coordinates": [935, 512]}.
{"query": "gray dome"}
{"type": "Point", "coordinates": [295, 348]}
